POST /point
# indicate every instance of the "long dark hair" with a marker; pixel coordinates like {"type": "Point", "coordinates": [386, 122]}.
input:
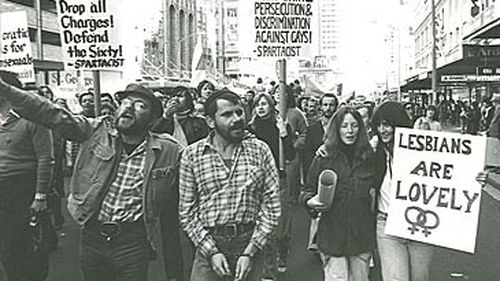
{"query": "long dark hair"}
{"type": "Point", "coordinates": [269, 100]}
{"type": "Point", "coordinates": [332, 136]}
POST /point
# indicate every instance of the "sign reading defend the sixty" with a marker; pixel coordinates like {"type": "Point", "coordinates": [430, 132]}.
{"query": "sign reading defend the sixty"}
{"type": "Point", "coordinates": [90, 34]}
{"type": "Point", "coordinates": [434, 196]}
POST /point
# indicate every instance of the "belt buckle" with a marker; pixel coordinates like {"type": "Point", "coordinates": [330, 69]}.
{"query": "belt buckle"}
{"type": "Point", "coordinates": [231, 230]}
{"type": "Point", "coordinates": [109, 229]}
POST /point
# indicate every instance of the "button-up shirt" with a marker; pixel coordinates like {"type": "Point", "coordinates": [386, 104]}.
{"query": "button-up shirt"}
{"type": "Point", "coordinates": [212, 194]}
{"type": "Point", "coordinates": [123, 201]}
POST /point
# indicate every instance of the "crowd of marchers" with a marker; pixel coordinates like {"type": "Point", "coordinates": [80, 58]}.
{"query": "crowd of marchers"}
{"type": "Point", "coordinates": [203, 180]}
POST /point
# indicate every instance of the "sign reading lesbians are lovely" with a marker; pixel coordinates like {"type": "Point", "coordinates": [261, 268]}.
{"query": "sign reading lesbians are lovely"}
{"type": "Point", "coordinates": [434, 196]}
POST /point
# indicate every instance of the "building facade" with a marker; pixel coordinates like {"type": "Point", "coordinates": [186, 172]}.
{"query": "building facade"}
{"type": "Point", "coordinates": [466, 47]}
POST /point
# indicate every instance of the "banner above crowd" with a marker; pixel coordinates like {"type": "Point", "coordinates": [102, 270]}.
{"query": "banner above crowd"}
{"type": "Point", "coordinates": [90, 34]}
{"type": "Point", "coordinates": [15, 46]}
{"type": "Point", "coordinates": [277, 29]}
{"type": "Point", "coordinates": [435, 198]}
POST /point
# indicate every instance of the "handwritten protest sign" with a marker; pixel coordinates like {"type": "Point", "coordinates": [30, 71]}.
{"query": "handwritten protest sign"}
{"type": "Point", "coordinates": [434, 195]}
{"type": "Point", "coordinates": [278, 29]}
{"type": "Point", "coordinates": [90, 34]}
{"type": "Point", "coordinates": [15, 46]}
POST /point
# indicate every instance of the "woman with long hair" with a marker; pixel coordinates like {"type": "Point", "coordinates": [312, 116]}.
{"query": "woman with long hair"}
{"type": "Point", "coordinates": [401, 259]}
{"type": "Point", "coordinates": [269, 127]}
{"type": "Point", "coordinates": [346, 230]}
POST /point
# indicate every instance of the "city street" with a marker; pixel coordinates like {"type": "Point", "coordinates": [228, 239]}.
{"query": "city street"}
{"type": "Point", "coordinates": [303, 265]}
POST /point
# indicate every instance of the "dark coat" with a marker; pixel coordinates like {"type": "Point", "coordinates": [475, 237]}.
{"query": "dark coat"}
{"type": "Point", "coordinates": [314, 139]}
{"type": "Point", "coordinates": [194, 128]}
{"type": "Point", "coordinates": [267, 131]}
{"type": "Point", "coordinates": [348, 227]}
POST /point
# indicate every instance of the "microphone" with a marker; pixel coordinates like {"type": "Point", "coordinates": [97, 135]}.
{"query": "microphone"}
{"type": "Point", "coordinates": [326, 186]}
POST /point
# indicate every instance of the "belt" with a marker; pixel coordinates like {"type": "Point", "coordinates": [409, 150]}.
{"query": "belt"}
{"type": "Point", "coordinates": [232, 229]}
{"type": "Point", "coordinates": [111, 229]}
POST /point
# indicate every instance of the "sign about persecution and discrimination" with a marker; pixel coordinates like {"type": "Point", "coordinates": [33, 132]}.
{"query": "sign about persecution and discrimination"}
{"type": "Point", "coordinates": [435, 198]}
{"type": "Point", "coordinates": [278, 28]}
{"type": "Point", "coordinates": [90, 34]}
{"type": "Point", "coordinates": [15, 46]}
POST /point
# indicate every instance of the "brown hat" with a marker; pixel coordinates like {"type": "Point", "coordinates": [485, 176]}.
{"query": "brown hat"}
{"type": "Point", "coordinates": [144, 92]}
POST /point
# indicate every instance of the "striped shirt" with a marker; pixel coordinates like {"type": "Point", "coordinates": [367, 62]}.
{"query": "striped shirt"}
{"type": "Point", "coordinates": [212, 194]}
{"type": "Point", "coordinates": [123, 201]}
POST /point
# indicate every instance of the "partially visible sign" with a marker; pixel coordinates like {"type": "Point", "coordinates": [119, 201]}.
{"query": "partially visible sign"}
{"type": "Point", "coordinates": [277, 29]}
{"type": "Point", "coordinates": [470, 78]}
{"type": "Point", "coordinates": [478, 51]}
{"type": "Point", "coordinates": [434, 197]}
{"type": "Point", "coordinates": [90, 34]}
{"type": "Point", "coordinates": [15, 46]}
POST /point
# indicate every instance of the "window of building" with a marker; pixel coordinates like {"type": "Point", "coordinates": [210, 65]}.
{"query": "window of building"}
{"type": "Point", "coordinates": [48, 5]}
{"type": "Point", "coordinates": [52, 38]}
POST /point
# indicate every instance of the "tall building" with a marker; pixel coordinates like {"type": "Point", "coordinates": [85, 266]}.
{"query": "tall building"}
{"type": "Point", "coordinates": [180, 36]}
{"type": "Point", "coordinates": [329, 28]}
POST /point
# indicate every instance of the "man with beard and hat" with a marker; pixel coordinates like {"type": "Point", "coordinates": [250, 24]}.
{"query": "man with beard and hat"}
{"type": "Point", "coordinates": [229, 195]}
{"type": "Point", "coordinates": [124, 189]}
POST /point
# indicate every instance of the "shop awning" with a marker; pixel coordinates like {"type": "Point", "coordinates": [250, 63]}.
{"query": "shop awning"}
{"type": "Point", "coordinates": [488, 31]}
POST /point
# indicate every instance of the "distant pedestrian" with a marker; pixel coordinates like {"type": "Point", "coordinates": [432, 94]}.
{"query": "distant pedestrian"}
{"type": "Point", "coordinates": [428, 122]}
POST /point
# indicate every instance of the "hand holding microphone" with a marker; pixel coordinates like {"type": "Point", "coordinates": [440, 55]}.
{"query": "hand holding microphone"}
{"type": "Point", "coordinates": [326, 190]}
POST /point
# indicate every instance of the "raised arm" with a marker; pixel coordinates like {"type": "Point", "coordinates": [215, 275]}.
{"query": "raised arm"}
{"type": "Point", "coordinates": [41, 111]}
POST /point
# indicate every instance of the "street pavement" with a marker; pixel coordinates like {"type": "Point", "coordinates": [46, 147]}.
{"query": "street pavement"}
{"type": "Point", "coordinates": [304, 265]}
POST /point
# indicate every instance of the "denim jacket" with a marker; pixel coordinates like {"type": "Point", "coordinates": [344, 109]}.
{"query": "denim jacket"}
{"type": "Point", "coordinates": [97, 162]}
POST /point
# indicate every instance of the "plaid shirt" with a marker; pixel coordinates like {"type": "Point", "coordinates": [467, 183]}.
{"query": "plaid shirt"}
{"type": "Point", "coordinates": [212, 194]}
{"type": "Point", "coordinates": [123, 201]}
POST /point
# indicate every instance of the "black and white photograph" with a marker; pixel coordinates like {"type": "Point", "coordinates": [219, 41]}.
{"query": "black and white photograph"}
{"type": "Point", "coordinates": [249, 140]}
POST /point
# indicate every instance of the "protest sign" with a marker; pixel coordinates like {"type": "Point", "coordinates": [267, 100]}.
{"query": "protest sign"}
{"type": "Point", "coordinates": [434, 196]}
{"type": "Point", "coordinates": [15, 46]}
{"type": "Point", "coordinates": [278, 29]}
{"type": "Point", "coordinates": [90, 34]}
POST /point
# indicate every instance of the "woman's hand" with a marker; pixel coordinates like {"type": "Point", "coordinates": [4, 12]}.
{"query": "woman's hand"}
{"type": "Point", "coordinates": [321, 152]}
{"type": "Point", "coordinates": [314, 204]}
{"type": "Point", "coordinates": [482, 178]}
{"type": "Point", "coordinates": [281, 126]}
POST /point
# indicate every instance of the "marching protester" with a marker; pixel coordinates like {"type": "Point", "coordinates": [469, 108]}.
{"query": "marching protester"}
{"type": "Point", "coordinates": [229, 195]}
{"type": "Point", "coordinates": [56, 193]}
{"type": "Point", "coordinates": [269, 127]}
{"type": "Point", "coordinates": [312, 112]}
{"type": "Point", "coordinates": [204, 90]}
{"type": "Point", "coordinates": [401, 259]}
{"type": "Point", "coordinates": [429, 121]}
{"type": "Point", "coordinates": [26, 163]}
{"type": "Point", "coordinates": [298, 123]}
{"type": "Point", "coordinates": [346, 232]}
{"type": "Point", "coordinates": [124, 193]}
{"type": "Point", "coordinates": [178, 119]}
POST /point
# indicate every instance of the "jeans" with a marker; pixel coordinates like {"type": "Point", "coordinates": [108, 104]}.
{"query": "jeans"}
{"type": "Point", "coordinates": [231, 248]}
{"type": "Point", "coordinates": [402, 259]}
{"type": "Point", "coordinates": [355, 268]}
{"type": "Point", "coordinates": [16, 247]}
{"type": "Point", "coordinates": [124, 258]}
